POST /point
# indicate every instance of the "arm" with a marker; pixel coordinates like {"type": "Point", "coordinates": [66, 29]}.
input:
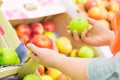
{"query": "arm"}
{"type": "Point", "coordinates": [73, 67]}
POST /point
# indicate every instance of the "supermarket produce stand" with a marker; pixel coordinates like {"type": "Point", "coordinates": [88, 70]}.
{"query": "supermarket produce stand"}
{"type": "Point", "coordinates": [53, 11]}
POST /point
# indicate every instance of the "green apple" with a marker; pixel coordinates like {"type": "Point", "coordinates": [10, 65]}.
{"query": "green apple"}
{"type": "Point", "coordinates": [86, 52]}
{"type": "Point", "coordinates": [79, 24]}
{"type": "Point", "coordinates": [31, 77]}
{"type": "Point", "coordinates": [51, 35]}
{"type": "Point", "coordinates": [8, 56]}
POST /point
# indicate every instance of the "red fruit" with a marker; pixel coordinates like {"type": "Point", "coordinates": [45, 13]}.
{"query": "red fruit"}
{"type": "Point", "coordinates": [41, 69]}
{"type": "Point", "coordinates": [49, 26]}
{"type": "Point", "coordinates": [24, 38]}
{"type": "Point", "coordinates": [90, 4]}
{"type": "Point", "coordinates": [23, 29]}
{"type": "Point", "coordinates": [42, 41]}
{"type": "Point", "coordinates": [37, 28]}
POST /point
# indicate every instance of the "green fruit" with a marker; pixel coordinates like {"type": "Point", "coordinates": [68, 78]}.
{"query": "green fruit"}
{"type": "Point", "coordinates": [86, 52]}
{"type": "Point", "coordinates": [51, 35]}
{"type": "Point", "coordinates": [31, 77]}
{"type": "Point", "coordinates": [79, 24]}
{"type": "Point", "coordinates": [8, 56]}
{"type": "Point", "coordinates": [18, 60]}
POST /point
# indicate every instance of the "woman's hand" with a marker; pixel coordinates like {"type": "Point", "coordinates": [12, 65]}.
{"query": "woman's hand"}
{"type": "Point", "coordinates": [97, 35]}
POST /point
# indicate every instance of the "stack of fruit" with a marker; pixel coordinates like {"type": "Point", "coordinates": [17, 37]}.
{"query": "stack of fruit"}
{"type": "Point", "coordinates": [101, 10]}
{"type": "Point", "coordinates": [26, 32]}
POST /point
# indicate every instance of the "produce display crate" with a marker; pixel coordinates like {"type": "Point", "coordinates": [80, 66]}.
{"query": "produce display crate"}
{"type": "Point", "coordinates": [10, 38]}
{"type": "Point", "coordinates": [61, 22]}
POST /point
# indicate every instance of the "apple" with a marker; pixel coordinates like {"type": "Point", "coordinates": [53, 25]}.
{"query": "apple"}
{"type": "Point", "coordinates": [90, 3]}
{"type": "Point", "coordinates": [37, 28]}
{"type": "Point", "coordinates": [94, 13]}
{"type": "Point", "coordinates": [31, 77]}
{"type": "Point", "coordinates": [113, 6]}
{"type": "Point", "coordinates": [41, 69]}
{"type": "Point", "coordinates": [51, 35]}
{"type": "Point", "coordinates": [86, 52]}
{"type": "Point", "coordinates": [49, 26]}
{"type": "Point", "coordinates": [24, 38]}
{"type": "Point", "coordinates": [73, 53]}
{"type": "Point", "coordinates": [23, 29]}
{"type": "Point", "coordinates": [42, 41]}
{"type": "Point", "coordinates": [8, 56]}
{"type": "Point", "coordinates": [62, 77]}
{"type": "Point", "coordinates": [54, 73]}
{"type": "Point", "coordinates": [46, 77]}
{"type": "Point", "coordinates": [64, 45]}
{"type": "Point", "coordinates": [79, 24]}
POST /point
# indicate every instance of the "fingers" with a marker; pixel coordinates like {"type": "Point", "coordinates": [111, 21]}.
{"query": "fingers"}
{"type": "Point", "coordinates": [32, 48]}
{"type": "Point", "coordinates": [75, 35]}
{"type": "Point", "coordinates": [84, 36]}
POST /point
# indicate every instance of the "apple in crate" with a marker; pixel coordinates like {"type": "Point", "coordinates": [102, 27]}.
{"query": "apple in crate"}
{"type": "Point", "coordinates": [31, 77]}
{"type": "Point", "coordinates": [49, 26]}
{"type": "Point", "coordinates": [86, 52]}
{"type": "Point", "coordinates": [42, 41]}
{"type": "Point", "coordinates": [23, 29]}
{"type": "Point", "coordinates": [8, 56]}
{"type": "Point", "coordinates": [41, 69]}
{"type": "Point", "coordinates": [51, 35]}
{"type": "Point", "coordinates": [64, 45]}
{"type": "Point", "coordinates": [54, 73]}
{"type": "Point", "coordinates": [37, 28]}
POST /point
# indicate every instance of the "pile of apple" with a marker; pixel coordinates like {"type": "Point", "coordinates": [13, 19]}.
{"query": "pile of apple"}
{"type": "Point", "coordinates": [47, 73]}
{"type": "Point", "coordinates": [26, 32]}
{"type": "Point", "coordinates": [101, 10]}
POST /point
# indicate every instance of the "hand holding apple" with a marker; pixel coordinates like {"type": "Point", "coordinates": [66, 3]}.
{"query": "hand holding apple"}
{"type": "Point", "coordinates": [79, 24]}
{"type": "Point", "coordinates": [42, 41]}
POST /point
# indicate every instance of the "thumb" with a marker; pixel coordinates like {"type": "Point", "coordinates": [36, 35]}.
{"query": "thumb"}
{"type": "Point", "coordinates": [32, 47]}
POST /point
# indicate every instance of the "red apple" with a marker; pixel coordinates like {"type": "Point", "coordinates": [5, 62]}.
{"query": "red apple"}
{"type": "Point", "coordinates": [49, 26]}
{"type": "Point", "coordinates": [95, 13]}
{"type": "Point", "coordinates": [24, 38]}
{"type": "Point", "coordinates": [42, 41]}
{"type": "Point", "coordinates": [41, 69]}
{"type": "Point", "coordinates": [37, 28]}
{"type": "Point", "coordinates": [90, 4]}
{"type": "Point", "coordinates": [23, 29]}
